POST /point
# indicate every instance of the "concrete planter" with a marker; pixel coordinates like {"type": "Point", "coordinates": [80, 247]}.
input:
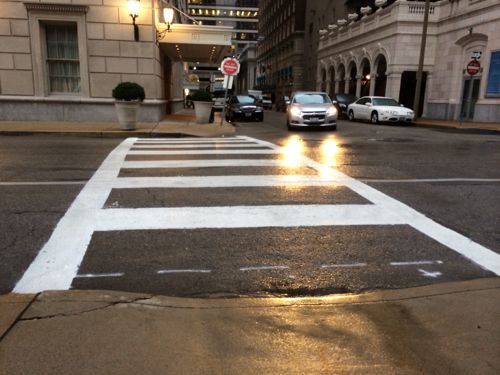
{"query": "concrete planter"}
{"type": "Point", "coordinates": [127, 113]}
{"type": "Point", "coordinates": [202, 111]}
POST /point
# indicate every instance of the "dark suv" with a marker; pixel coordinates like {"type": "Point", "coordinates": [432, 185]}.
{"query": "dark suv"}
{"type": "Point", "coordinates": [341, 101]}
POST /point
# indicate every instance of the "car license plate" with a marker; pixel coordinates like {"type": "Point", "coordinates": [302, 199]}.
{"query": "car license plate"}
{"type": "Point", "coordinates": [248, 114]}
{"type": "Point", "coordinates": [402, 118]}
{"type": "Point", "coordinates": [314, 119]}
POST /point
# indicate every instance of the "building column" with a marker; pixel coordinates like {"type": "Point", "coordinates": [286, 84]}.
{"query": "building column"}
{"type": "Point", "coordinates": [373, 79]}
{"type": "Point", "coordinates": [358, 85]}
{"type": "Point", "coordinates": [337, 85]}
{"type": "Point", "coordinates": [393, 85]}
{"type": "Point", "coordinates": [328, 84]}
{"type": "Point", "coordinates": [346, 88]}
{"type": "Point", "coordinates": [428, 87]}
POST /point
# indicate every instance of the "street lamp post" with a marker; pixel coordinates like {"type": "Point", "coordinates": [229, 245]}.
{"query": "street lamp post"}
{"type": "Point", "coordinates": [416, 101]}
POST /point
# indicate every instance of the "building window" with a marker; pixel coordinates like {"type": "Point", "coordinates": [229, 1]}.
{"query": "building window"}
{"type": "Point", "coordinates": [63, 63]}
{"type": "Point", "coordinates": [493, 87]}
{"type": "Point", "coordinates": [59, 48]}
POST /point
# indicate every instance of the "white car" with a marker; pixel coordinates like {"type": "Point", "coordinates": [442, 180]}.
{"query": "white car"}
{"type": "Point", "coordinates": [267, 102]}
{"type": "Point", "coordinates": [379, 109]}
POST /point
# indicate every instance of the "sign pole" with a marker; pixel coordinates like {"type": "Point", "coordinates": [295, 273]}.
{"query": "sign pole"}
{"type": "Point", "coordinates": [229, 67]}
{"type": "Point", "coordinates": [226, 85]}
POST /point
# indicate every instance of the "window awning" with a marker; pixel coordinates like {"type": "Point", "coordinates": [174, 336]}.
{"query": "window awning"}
{"type": "Point", "coordinates": [197, 43]}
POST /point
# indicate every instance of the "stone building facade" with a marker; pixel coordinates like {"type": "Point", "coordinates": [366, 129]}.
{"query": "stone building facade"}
{"type": "Point", "coordinates": [61, 61]}
{"type": "Point", "coordinates": [378, 54]}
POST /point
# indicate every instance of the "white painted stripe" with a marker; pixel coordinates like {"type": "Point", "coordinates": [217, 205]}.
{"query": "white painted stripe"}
{"type": "Point", "coordinates": [194, 140]}
{"type": "Point", "coordinates": [416, 263]}
{"type": "Point", "coordinates": [42, 183]}
{"type": "Point", "coordinates": [431, 180]}
{"type": "Point", "coordinates": [161, 272]}
{"type": "Point", "coordinates": [473, 251]}
{"type": "Point", "coordinates": [206, 152]}
{"type": "Point", "coordinates": [208, 163]}
{"type": "Point", "coordinates": [264, 268]}
{"type": "Point", "coordinates": [223, 181]}
{"type": "Point", "coordinates": [343, 265]}
{"type": "Point", "coordinates": [242, 217]}
{"type": "Point", "coordinates": [57, 263]}
{"type": "Point", "coordinates": [185, 147]}
{"type": "Point", "coordinates": [157, 182]}
{"type": "Point", "coordinates": [98, 275]}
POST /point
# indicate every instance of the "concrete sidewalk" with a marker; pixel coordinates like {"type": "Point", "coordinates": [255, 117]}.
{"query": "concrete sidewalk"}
{"type": "Point", "coordinates": [438, 329]}
{"type": "Point", "coordinates": [175, 125]}
{"type": "Point", "coordinates": [458, 125]}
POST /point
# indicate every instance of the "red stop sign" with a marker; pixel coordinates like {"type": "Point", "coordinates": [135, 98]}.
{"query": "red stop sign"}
{"type": "Point", "coordinates": [473, 67]}
{"type": "Point", "coordinates": [230, 67]}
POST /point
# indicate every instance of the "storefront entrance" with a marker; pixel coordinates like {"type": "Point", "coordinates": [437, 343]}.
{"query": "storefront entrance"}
{"type": "Point", "coordinates": [469, 97]}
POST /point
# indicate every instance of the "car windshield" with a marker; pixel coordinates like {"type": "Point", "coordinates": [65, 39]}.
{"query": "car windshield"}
{"type": "Point", "coordinates": [346, 97]}
{"type": "Point", "coordinates": [385, 101]}
{"type": "Point", "coordinates": [311, 99]}
{"type": "Point", "coordinates": [245, 99]}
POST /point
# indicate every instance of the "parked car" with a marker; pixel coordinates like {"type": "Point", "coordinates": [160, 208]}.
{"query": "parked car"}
{"type": "Point", "coordinates": [267, 103]}
{"type": "Point", "coordinates": [379, 109]}
{"type": "Point", "coordinates": [244, 107]}
{"type": "Point", "coordinates": [341, 101]}
{"type": "Point", "coordinates": [282, 103]}
{"type": "Point", "coordinates": [311, 109]}
{"type": "Point", "coordinates": [218, 99]}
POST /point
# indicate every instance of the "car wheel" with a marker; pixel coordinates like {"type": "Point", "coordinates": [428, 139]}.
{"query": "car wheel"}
{"type": "Point", "coordinates": [374, 118]}
{"type": "Point", "coordinates": [351, 115]}
{"type": "Point", "coordinates": [289, 127]}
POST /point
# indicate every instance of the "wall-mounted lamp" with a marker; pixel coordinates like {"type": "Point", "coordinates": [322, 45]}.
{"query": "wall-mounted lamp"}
{"type": "Point", "coordinates": [168, 17]}
{"type": "Point", "coordinates": [133, 9]}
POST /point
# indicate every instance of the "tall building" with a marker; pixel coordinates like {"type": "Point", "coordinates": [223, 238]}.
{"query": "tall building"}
{"type": "Point", "coordinates": [243, 17]}
{"type": "Point", "coordinates": [288, 35]}
{"type": "Point", "coordinates": [280, 56]}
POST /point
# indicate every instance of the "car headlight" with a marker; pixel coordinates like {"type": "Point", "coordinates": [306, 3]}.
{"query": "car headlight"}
{"type": "Point", "coordinates": [294, 111]}
{"type": "Point", "coordinates": [332, 111]}
{"type": "Point", "coordinates": [410, 113]}
{"type": "Point", "coordinates": [258, 109]}
{"type": "Point", "coordinates": [395, 113]}
{"type": "Point", "coordinates": [236, 109]}
{"type": "Point", "coordinates": [342, 106]}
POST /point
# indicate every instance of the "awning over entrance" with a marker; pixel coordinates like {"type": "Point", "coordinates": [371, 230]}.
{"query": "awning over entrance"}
{"type": "Point", "coordinates": [197, 43]}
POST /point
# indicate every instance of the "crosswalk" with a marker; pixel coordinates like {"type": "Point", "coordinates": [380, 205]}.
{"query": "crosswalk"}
{"type": "Point", "coordinates": [58, 262]}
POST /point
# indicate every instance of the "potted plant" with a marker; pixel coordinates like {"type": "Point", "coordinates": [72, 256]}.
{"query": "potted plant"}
{"type": "Point", "coordinates": [128, 97]}
{"type": "Point", "coordinates": [202, 106]}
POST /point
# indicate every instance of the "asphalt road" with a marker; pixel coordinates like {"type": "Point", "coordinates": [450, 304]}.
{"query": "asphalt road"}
{"type": "Point", "coordinates": [237, 235]}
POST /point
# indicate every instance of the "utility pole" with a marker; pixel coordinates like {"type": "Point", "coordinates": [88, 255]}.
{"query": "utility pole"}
{"type": "Point", "coordinates": [416, 101]}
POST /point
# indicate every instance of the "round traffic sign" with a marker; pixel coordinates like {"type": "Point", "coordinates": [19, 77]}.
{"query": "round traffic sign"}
{"type": "Point", "coordinates": [473, 67]}
{"type": "Point", "coordinates": [230, 67]}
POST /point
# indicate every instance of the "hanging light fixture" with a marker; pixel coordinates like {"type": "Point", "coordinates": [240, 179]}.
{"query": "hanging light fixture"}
{"type": "Point", "coordinates": [134, 7]}
{"type": "Point", "coordinates": [168, 17]}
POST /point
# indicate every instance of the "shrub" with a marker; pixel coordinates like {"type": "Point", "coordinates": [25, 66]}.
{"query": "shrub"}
{"type": "Point", "coordinates": [128, 91]}
{"type": "Point", "coordinates": [201, 96]}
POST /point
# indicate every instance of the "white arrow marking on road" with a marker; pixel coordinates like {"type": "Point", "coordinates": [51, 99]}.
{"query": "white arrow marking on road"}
{"type": "Point", "coordinates": [430, 274]}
